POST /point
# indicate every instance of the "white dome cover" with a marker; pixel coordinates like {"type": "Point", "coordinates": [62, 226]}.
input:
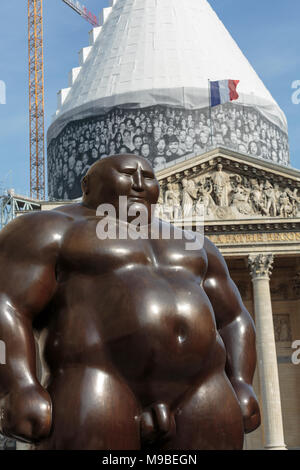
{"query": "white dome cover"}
{"type": "Point", "coordinates": [163, 52]}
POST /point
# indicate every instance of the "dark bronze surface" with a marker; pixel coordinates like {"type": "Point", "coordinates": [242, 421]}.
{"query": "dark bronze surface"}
{"type": "Point", "coordinates": [144, 344]}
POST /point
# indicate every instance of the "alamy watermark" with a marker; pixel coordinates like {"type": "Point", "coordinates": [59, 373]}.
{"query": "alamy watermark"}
{"type": "Point", "coordinates": [2, 352]}
{"type": "Point", "coordinates": [296, 353]}
{"type": "Point", "coordinates": [296, 94]}
{"type": "Point", "coordinates": [134, 222]}
{"type": "Point", "coordinates": [2, 92]}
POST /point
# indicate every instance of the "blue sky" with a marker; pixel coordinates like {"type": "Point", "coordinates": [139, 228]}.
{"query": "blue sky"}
{"type": "Point", "coordinates": [267, 31]}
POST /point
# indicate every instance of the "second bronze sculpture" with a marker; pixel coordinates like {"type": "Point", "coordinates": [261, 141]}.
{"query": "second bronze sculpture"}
{"type": "Point", "coordinates": [144, 344]}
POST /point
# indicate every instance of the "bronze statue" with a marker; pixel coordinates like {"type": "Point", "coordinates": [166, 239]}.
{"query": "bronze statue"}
{"type": "Point", "coordinates": [144, 345]}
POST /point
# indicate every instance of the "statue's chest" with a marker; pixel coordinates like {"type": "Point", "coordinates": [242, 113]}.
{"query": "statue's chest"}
{"type": "Point", "coordinates": [87, 252]}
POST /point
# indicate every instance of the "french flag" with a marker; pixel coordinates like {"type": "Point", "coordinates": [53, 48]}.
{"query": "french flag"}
{"type": "Point", "coordinates": [223, 91]}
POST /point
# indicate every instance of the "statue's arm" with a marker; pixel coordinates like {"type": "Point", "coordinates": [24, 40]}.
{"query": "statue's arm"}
{"type": "Point", "coordinates": [237, 330]}
{"type": "Point", "coordinates": [28, 251]}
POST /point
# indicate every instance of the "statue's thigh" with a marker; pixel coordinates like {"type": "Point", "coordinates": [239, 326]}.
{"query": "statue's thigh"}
{"type": "Point", "coordinates": [93, 411]}
{"type": "Point", "coordinates": [209, 419]}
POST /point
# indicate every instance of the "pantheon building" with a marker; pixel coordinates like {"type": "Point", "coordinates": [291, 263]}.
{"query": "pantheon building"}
{"type": "Point", "coordinates": [143, 86]}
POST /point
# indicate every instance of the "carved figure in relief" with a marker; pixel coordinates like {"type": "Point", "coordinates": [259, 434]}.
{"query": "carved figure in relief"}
{"type": "Point", "coordinates": [204, 192]}
{"type": "Point", "coordinates": [270, 198]}
{"type": "Point", "coordinates": [286, 208]}
{"type": "Point", "coordinates": [176, 202]}
{"type": "Point", "coordinates": [169, 201]}
{"type": "Point", "coordinates": [256, 197]}
{"type": "Point", "coordinates": [282, 328]}
{"type": "Point", "coordinates": [296, 284]}
{"type": "Point", "coordinates": [226, 195]}
{"type": "Point", "coordinates": [159, 209]}
{"type": "Point", "coordinates": [222, 185]}
{"type": "Point", "coordinates": [240, 200]}
{"type": "Point", "coordinates": [295, 200]}
{"type": "Point", "coordinates": [189, 196]}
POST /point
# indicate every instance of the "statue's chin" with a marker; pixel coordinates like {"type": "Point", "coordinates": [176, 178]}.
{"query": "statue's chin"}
{"type": "Point", "coordinates": [135, 204]}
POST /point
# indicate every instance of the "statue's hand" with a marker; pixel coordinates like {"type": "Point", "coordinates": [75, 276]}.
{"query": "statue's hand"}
{"type": "Point", "coordinates": [26, 414]}
{"type": "Point", "coordinates": [157, 423]}
{"type": "Point", "coordinates": [249, 405]}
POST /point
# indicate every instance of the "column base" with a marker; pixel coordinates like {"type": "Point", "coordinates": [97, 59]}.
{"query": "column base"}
{"type": "Point", "coordinates": [275, 447]}
{"type": "Point", "coordinates": [23, 446]}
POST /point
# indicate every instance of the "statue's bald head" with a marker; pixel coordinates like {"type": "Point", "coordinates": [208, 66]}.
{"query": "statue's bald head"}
{"type": "Point", "coordinates": [120, 175]}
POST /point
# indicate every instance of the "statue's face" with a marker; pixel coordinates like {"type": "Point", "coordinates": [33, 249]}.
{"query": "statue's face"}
{"type": "Point", "coordinates": [124, 175]}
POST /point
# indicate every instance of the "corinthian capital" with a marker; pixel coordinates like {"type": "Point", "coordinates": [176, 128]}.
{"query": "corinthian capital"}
{"type": "Point", "coordinates": [261, 265]}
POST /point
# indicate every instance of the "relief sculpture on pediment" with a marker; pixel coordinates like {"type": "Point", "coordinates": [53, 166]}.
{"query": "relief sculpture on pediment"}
{"type": "Point", "coordinates": [220, 194]}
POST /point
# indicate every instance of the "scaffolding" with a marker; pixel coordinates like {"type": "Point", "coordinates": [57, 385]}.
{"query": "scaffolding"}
{"type": "Point", "coordinates": [12, 205]}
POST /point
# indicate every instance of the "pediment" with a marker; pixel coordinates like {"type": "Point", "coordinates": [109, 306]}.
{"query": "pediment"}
{"type": "Point", "coordinates": [230, 187]}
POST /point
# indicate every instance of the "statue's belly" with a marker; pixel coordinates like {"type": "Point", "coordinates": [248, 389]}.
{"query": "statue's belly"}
{"type": "Point", "coordinates": [159, 325]}
{"type": "Point", "coordinates": [154, 327]}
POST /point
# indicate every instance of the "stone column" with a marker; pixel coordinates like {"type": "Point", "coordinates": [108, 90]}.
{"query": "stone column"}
{"type": "Point", "coordinates": [261, 266]}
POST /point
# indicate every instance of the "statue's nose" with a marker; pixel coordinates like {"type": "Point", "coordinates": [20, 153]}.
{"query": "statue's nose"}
{"type": "Point", "coordinates": [137, 183]}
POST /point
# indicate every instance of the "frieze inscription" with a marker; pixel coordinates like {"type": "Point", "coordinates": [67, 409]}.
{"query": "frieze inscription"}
{"type": "Point", "coordinates": [250, 238]}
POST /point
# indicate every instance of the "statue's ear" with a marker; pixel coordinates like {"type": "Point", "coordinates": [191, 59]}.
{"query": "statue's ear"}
{"type": "Point", "coordinates": [85, 184]}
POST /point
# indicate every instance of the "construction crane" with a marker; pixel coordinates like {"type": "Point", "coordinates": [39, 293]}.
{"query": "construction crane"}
{"type": "Point", "coordinates": [82, 11]}
{"type": "Point", "coordinates": [36, 90]}
{"type": "Point", "coordinates": [36, 99]}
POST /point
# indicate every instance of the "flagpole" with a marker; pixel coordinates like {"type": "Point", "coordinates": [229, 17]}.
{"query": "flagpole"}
{"type": "Point", "coordinates": [209, 106]}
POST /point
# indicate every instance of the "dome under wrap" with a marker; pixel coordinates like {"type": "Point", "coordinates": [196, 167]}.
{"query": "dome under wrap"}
{"type": "Point", "coordinates": [143, 87]}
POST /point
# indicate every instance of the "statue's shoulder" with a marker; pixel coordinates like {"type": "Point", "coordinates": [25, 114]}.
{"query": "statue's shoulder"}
{"type": "Point", "coordinates": [209, 245]}
{"type": "Point", "coordinates": [75, 210]}
{"type": "Point", "coordinates": [216, 263]}
{"type": "Point", "coordinates": [35, 229]}
{"type": "Point", "coordinates": [211, 249]}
